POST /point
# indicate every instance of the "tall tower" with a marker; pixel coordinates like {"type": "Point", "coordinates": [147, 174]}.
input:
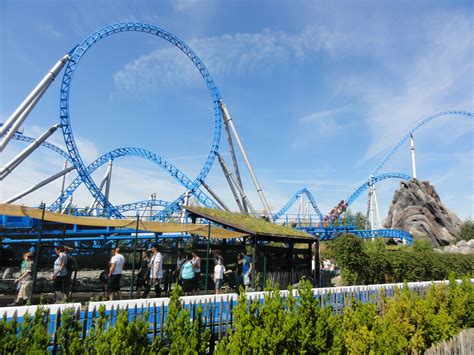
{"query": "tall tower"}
{"type": "Point", "coordinates": [413, 162]}
{"type": "Point", "coordinates": [373, 215]}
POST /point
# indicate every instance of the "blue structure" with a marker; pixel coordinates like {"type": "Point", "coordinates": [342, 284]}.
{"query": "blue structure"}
{"type": "Point", "coordinates": [193, 186]}
{"type": "Point", "coordinates": [75, 56]}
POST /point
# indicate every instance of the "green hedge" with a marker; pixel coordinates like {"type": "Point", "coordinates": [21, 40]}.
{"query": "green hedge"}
{"type": "Point", "coordinates": [371, 264]}
{"type": "Point", "coordinates": [403, 324]}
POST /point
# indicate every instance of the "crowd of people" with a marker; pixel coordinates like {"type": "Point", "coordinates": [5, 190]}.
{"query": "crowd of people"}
{"type": "Point", "coordinates": [63, 269]}
{"type": "Point", "coordinates": [187, 272]}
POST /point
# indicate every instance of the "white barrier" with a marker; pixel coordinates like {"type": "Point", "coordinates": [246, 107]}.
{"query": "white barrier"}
{"type": "Point", "coordinates": [22, 310]}
{"type": "Point", "coordinates": [211, 298]}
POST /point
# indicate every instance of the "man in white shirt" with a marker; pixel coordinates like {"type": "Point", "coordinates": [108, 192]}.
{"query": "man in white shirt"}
{"type": "Point", "coordinates": [156, 271]}
{"type": "Point", "coordinates": [115, 274]}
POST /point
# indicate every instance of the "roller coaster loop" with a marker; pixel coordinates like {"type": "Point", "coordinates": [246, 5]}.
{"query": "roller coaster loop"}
{"type": "Point", "coordinates": [75, 56]}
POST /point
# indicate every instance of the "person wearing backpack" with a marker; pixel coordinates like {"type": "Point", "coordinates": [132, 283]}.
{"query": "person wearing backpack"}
{"type": "Point", "coordinates": [187, 276]}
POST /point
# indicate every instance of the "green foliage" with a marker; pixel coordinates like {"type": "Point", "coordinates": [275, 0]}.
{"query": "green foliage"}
{"type": "Point", "coordinates": [421, 246]}
{"type": "Point", "coordinates": [363, 263]}
{"type": "Point", "coordinates": [405, 323]}
{"type": "Point", "coordinates": [374, 246]}
{"type": "Point", "coordinates": [69, 334]}
{"type": "Point", "coordinates": [467, 230]}
{"type": "Point", "coordinates": [181, 335]}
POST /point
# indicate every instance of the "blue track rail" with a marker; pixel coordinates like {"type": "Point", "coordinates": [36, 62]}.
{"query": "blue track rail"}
{"type": "Point", "coordinates": [79, 51]}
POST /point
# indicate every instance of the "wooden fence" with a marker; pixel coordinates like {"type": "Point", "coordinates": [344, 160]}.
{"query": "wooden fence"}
{"type": "Point", "coordinates": [461, 344]}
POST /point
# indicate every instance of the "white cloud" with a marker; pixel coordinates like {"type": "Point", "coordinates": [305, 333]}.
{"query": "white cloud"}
{"type": "Point", "coordinates": [439, 78]}
{"type": "Point", "coordinates": [237, 53]}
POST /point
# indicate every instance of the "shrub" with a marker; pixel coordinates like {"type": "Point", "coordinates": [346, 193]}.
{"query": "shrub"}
{"type": "Point", "coordinates": [467, 230]}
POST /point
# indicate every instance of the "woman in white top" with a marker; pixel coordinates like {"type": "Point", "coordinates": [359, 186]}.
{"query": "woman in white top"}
{"type": "Point", "coordinates": [59, 274]}
{"type": "Point", "coordinates": [197, 271]}
{"type": "Point", "coordinates": [156, 271]}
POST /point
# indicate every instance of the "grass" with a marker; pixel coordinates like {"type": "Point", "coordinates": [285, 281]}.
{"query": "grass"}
{"type": "Point", "coordinates": [251, 223]}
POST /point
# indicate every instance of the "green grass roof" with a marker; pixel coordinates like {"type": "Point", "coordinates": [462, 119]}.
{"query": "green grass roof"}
{"type": "Point", "coordinates": [246, 223]}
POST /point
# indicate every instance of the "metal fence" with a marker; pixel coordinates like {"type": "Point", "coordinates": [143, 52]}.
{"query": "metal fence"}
{"type": "Point", "coordinates": [216, 309]}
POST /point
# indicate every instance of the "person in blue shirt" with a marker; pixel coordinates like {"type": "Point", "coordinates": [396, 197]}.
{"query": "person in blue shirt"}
{"type": "Point", "coordinates": [246, 268]}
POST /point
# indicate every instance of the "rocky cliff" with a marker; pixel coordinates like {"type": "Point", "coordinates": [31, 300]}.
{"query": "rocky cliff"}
{"type": "Point", "coordinates": [417, 209]}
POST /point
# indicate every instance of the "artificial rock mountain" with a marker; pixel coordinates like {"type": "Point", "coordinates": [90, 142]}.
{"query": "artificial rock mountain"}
{"type": "Point", "coordinates": [417, 209]}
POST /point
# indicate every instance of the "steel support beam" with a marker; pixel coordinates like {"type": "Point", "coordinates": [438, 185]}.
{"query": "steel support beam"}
{"type": "Point", "coordinates": [213, 194]}
{"type": "Point", "coordinates": [18, 117]}
{"type": "Point", "coordinates": [39, 185]}
{"type": "Point", "coordinates": [12, 164]}
{"type": "Point", "coordinates": [227, 175]}
{"type": "Point", "coordinates": [234, 182]}
{"type": "Point", "coordinates": [246, 158]}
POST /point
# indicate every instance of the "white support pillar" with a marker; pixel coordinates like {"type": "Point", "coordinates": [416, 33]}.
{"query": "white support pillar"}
{"type": "Point", "coordinates": [246, 158]}
{"type": "Point", "coordinates": [18, 117]}
{"type": "Point", "coordinates": [413, 162]}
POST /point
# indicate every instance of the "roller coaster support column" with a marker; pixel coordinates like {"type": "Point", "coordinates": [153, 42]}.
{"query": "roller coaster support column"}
{"type": "Point", "coordinates": [227, 175]}
{"type": "Point", "coordinates": [63, 184]}
{"type": "Point", "coordinates": [413, 162]}
{"type": "Point", "coordinates": [234, 182]}
{"type": "Point", "coordinates": [14, 122]}
{"type": "Point", "coordinates": [373, 208]}
{"type": "Point", "coordinates": [213, 194]}
{"type": "Point", "coordinates": [39, 185]}
{"type": "Point", "coordinates": [7, 169]}
{"type": "Point", "coordinates": [225, 115]}
{"type": "Point", "coordinates": [185, 203]}
{"type": "Point", "coordinates": [109, 178]}
{"type": "Point", "coordinates": [246, 159]}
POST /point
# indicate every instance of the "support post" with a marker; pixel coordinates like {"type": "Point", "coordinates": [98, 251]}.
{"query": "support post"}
{"type": "Point", "coordinates": [63, 184]}
{"type": "Point", "coordinates": [207, 254]}
{"type": "Point", "coordinates": [37, 252]}
{"type": "Point", "coordinates": [254, 261]}
{"type": "Point", "coordinates": [134, 256]}
{"type": "Point", "coordinates": [39, 185]}
{"type": "Point", "coordinates": [213, 194]}
{"type": "Point", "coordinates": [246, 159]}
{"type": "Point", "coordinates": [234, 160]}
{"type": "Point", "coordinates": [234, 182]}
{"type": "Point", "coordinates": [12, 164]}
{"type": "Point", "coordinates": [232, 188]}
{"type": "Point", "coordinates": [412, 150]}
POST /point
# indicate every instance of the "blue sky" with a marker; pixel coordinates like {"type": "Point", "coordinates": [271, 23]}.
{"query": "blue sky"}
{"type": "Point", "coordinates": [319, 92]}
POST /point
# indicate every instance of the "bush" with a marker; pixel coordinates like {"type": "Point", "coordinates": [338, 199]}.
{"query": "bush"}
{"type": "Point", "coordinates": [406, 323]}
{"type": "Point", "coordinates": [362, 265]}
{"type": "Point", "coordinates": [467, 230]}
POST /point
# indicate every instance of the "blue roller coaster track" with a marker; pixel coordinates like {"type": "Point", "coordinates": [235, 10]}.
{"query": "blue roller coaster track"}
{"type": "Point", "coordinates": [193, 186]}
{"type": "Point", "coordinates": [377, 178]}
{"type": "Point", "coordinates": [405, 138]}
{"type": "Point", "coordinates": [141, 153]}
{"type": "Point", "coordinates": [293, 199]}
{"type": "Point", "coordinates": [75, 56]}
{"type": "Point", "coordinates": [122, 152]}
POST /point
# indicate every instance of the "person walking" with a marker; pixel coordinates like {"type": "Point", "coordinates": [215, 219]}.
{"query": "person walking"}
{"type": "Point", "coordinates": [115, 274]}
{"type": "Point", "coordinates": [143, 274]}
{"type": "Point", "coordinates": [239, 280]}
{"type": "Point", "coordinates": [246, 269]}
{"type": "Point", "coordinates": [197, 271]}
{"type": "Point", "coordinates": [179, 264]}
{"type": "Point", "coordinates": [25, 280]}
{"type": "Point", "coordinates": [187, 276]}
{"type": "Point", "coordinates": [156, 271]}
{"type": "Point", "coordinates": [219, 271]}
{"type": "Point", "coordinates": [59, 274]}
{"type": "Point", "coordinates": [71, 265]}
